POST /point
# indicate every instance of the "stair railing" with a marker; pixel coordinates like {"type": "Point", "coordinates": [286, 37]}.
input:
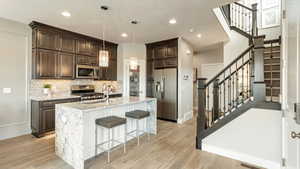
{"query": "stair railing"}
{"type": "Point", "coordinates": [224, 93]}
{"type": "Point", "coordinates": [242, 17]}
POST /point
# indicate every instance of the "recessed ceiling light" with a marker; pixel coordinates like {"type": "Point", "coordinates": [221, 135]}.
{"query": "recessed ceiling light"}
{"type": "Point", "coordinates": [66, 14]}
{"type": "Point", "coordinates": [124, 35]}
{"type": "Point", "coordinates": [199, 35]}
{"type": "Point", "coordinates": [188, 52]}
{"type": "Point", "coordinates": [172, 21]}
{"type": "Point", "coordinates": [192, 30]}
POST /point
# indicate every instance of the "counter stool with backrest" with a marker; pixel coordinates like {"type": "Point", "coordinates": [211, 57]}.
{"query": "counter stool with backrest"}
{"type": "Point", "coordinates": [139, 115]}
{"type": "Point", "coordinates": [110, 123]}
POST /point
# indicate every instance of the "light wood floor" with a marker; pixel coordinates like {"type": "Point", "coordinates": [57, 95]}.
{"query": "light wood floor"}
{"type": "Point", "coordinates": [172, 148]}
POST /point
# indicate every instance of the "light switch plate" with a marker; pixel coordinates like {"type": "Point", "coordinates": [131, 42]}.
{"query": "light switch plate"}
{"type": "Point", "coordinates": [6, 90]}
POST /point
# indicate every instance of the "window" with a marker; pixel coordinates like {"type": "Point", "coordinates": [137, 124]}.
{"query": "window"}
{"type": "Point", "coordinates": [268, 14]}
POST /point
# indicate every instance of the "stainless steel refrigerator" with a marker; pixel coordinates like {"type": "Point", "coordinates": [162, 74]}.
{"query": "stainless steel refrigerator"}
{"type": "Point", "coordinates": [165, 90]}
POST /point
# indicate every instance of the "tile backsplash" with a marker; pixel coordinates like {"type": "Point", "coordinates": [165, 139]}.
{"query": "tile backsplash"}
{"type": "Point", "coordinates": [64, 86]}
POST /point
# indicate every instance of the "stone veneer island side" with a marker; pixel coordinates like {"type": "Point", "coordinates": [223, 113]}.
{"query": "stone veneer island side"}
{"type": "Point", "coordinates": [75, 126]}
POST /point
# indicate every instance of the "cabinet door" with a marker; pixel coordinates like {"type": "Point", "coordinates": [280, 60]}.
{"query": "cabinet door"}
{"type": "Point", "coordinates": [160, 52]}
{"type": "Point", "coordinates": [150, 53]}
{"type": "Point", "coordinates": [159, 64]}
{"type": "Point", "coordinates": [171, 51]}
{"type": "Point", "coordinates": [82, 60]}
{"type": "Point", "coordinates": [48, 39]}
{"type": "Point", "coordinates": [48, 120]}
{"type": "Point", "coordinates": [81, 47]}
{"type": "Point", "coordinates": [93, 48]}
{"type": "Point", "coordinates": [46, 64]}
{"type": "Point", "coordinates": [170, 62]}
{"type": "Point", "coordinates": [93, 61]}
{"type": "Point", "coordinates": [66, 65]}
{"type": "Point", "coordinates": [112, 73]}
{"type": "Point", "coordinates": [68, 43]}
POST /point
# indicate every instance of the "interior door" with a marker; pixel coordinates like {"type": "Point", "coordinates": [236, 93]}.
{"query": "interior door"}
{"type": "Point", "coordinates": [291, 83]}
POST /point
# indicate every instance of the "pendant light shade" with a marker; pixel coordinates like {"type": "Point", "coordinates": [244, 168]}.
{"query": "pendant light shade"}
{"type": "Point", "coordinates": [103, 58]}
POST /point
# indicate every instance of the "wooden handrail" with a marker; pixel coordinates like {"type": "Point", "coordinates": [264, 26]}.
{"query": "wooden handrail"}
{"type": "Point", "coordinates": [229, 65]}
{"type": "Point", "coordinates": [243, 6]}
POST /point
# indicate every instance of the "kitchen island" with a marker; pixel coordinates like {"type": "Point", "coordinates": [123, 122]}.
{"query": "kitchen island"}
{"type": "Point", "coordinates": [75, 126]}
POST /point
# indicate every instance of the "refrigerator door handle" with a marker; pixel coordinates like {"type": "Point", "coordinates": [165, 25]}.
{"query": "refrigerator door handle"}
{"type": "Point", "coordinates": [163, 87]}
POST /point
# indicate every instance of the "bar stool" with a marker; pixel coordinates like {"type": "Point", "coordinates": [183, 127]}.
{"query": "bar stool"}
{"type": "Point", "coordinates": [139, 115]}
{"type": "Point", "coordinates": [110, 123]}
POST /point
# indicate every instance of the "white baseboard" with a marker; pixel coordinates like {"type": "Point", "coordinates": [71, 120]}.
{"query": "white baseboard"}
{"type": "Point", "coordinates": [187, 116]}
{"type": "Point", "coordinates": [242, 157]}
{"type": "Point", "coordinates": [14, 130]}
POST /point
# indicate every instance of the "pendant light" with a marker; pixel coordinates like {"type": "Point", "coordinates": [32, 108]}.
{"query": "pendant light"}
{"type": "Point", "coordinates": [103, 53]}
{"type": "Point", "coordinates": [133, 64]}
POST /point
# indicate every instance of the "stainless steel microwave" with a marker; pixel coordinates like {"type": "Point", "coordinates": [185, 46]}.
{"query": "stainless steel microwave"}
{"type": "Point", "coordinates": [86, 72]}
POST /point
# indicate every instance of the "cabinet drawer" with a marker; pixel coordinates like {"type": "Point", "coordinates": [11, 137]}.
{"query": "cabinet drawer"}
{"type": "Point", "coordinates": [51, 104]}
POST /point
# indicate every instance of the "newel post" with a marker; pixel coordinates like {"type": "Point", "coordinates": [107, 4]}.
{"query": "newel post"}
{"type": "Point", "coordinates": [201, 111]}
{"type": "Point", "coordinates": [216, 100]}
{"type": "Point", "coordinates": [254, 20]}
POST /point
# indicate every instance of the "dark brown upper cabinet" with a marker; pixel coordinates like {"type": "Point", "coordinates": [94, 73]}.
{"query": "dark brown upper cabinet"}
{"type": "Point", "coordinates": [160, 52]}
{"type": "Point", "coordinates": [163, 54]}
{"type": "Point", "coordinates": [44, 64]}
{"type": "Point", "coordinates": [48, 64]}
{"type": "Point", "coordinates": [57, 51]}
{"type": "Point", "coordinates": [66, 65]}
{"type": "Point", "coordinates": [68, 43]}
{"type": "Point", "coordinates": [171, 50]}
{"type": "Point", "coordinates": [87, 47]}
{"type": "Point", "coordinates": [47, 39]}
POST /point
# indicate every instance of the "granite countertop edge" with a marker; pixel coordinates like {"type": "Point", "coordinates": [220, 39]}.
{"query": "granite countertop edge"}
{"type": "Point", "coordinates": [100, 106]}
{"type": "Point", "coordinates": [60, 97]}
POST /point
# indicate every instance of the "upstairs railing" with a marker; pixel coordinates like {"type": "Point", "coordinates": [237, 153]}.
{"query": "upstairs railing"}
{"type": "Point", "coordinates": [225, 92]}
{"type": "Point", "coordinates": [242, 17]}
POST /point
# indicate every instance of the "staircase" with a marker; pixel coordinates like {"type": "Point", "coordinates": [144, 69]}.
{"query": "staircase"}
{"type": "Point", "coordinates": [252, 80]}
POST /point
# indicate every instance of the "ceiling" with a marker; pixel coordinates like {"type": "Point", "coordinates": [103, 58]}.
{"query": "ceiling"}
{"type": "Point", "coordinates": [153, 17]}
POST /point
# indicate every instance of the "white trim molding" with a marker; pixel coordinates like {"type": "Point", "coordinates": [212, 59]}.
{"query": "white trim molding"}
{"type": "Point", "coordinates": [241, 157]}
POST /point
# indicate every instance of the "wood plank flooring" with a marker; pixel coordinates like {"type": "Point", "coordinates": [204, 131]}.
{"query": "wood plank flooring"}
{"type": "Point", "coordinates": [172, 148]}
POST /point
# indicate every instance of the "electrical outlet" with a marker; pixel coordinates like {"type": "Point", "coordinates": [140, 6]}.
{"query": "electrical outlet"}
{"type": "Point", "coordinates": [6, 90]}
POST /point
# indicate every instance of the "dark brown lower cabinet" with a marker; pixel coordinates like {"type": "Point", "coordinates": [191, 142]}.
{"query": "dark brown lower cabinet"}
{"type": "Point", "coordinates": [43, 115]}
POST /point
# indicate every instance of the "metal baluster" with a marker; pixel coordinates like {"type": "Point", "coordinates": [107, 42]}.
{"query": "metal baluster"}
{"type": "Point", "coordinates": [243, 68]}
{"type": "Point", "coordinates": [248, 79]}
{"type": "Point", "coordinates": [229, 90]}
{"type": "Point", "coordinates": [271, 70]}
{"type": "Point", "coordinates": [208, 110]}
{"type": "Point", "coordinates": [220, 101]}
{"type": "Point", "coordinates": [224, 93]}
{"type": "Point", "coordinates": [237, 83]}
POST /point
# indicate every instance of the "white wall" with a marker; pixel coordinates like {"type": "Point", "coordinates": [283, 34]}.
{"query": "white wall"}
{"type": "Point", "coordinates": [234, 47]}
{"type": "Point", "coordinates": [210, 56]}
{"type": "Point", "coordinates": [15, 55]}
{"type": "Point", "coordinates": [254, 137]}
{"type": "Point", "coordinates": [185, 87]}
{"type": "Point", "coordinates": [130, 51]}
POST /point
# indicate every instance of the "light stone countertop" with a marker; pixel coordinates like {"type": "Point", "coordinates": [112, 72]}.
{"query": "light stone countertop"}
{"type": "Point", "coordinates": [114, 102]}
{"type": "Point", "coordinates": [53, 97]}
{"type": "Point", "coordinates": [60, 96]}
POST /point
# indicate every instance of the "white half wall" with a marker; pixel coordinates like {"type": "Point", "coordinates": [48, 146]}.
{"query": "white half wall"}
{"type": "Point", "coordinates": [185, 81]}
{"type": "Point", "coordinates": [15, 55]}
{"type": "Point", "coordinates": [254, 137]}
